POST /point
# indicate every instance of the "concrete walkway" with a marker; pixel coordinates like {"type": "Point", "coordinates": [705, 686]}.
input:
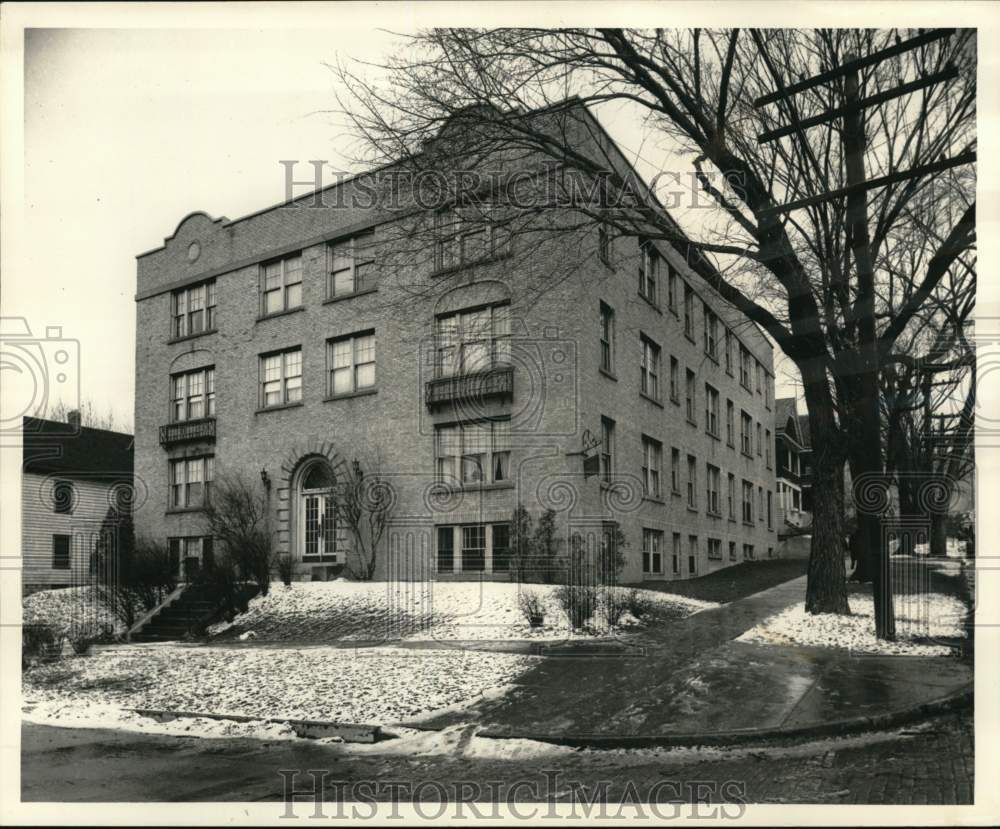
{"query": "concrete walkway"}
{"type": "Point", "coordinates": [695, 680]}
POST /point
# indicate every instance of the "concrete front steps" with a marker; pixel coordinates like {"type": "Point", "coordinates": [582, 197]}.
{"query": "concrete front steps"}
{"type": "Point", "coordinates": [188, 613]}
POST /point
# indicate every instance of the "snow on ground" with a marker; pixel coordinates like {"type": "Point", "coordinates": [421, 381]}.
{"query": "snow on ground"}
{"type": "Point", "coordinates": [444, 611]}
{"type": "Point", "coordinates": [919, 621]}
{"type": "Point", "coordinates": [70, 608]}
{"type": "Point", "coordinates": [371, 686]}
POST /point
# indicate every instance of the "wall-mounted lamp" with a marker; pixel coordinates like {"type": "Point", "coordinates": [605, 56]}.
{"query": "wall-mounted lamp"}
{"type": "Point", "coordinates": [264, 479]}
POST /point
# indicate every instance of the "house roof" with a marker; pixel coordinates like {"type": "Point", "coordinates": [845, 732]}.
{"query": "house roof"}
{"type": "Point", "coordinates": [54, 447]}
{"type": "Point", "coordinates": [804, 431]}
{"type": "Point", "coordinates": [786, 419]}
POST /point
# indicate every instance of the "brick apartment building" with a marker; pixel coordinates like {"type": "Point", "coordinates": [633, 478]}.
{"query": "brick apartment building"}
{"type": "Point", "coordinates": [628, 393]}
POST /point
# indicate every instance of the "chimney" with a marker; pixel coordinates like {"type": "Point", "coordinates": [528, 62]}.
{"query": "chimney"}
{"type": "Point", "coordinates": [73, 419]}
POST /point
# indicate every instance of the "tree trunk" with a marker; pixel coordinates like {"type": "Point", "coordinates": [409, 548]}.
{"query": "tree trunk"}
{"type": "Point", "coordinates": [938, 542]}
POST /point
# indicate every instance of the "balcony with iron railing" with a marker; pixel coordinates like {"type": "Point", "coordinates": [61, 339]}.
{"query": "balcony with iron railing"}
{"type": "Point", "coordinates": [187, 430]}
{"type": "Point", "coordinates": [496, 382]}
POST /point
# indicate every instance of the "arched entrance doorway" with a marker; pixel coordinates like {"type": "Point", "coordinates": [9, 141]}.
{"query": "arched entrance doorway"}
{"type": "Point", "coordinates": [318, 536]}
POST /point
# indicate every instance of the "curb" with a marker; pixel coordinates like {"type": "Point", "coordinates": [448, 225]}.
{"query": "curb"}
{"type": "Point", "coordinates": [315, 729]}
{"type": "Point", "coordinates": [836, 728]}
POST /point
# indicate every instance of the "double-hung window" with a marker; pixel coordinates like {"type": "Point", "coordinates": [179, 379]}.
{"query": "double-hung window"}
{"type": "Point", "coordinates": [674, 380]}
{"type": "Point", "coordinates": [607, 338]}
{"type": "Point", "coordinates": [464, 238]}
{"type": "Point", "coordinates": [281, 378]}
{"type": "Point", "coordinates": [352, 266]}
{"type": "Point", "coordinates": [688, 312]}
{"type": "Point", "coordinates": [747, 502]}
{"type": "Point", "coordinates": [760, 441]}
{"type": "Point", "coordinates": [473, 340]}
{"type": "Point", "coordinates": [474, 453]}
{"type": "Point", "coordinates": [281, 285]}
{"type": "Point", "coordinates": [730, 423]}
{"type": "Point", "coordinates": [746, 379]}
{"type": "Point", "coordinates": [190, 481]}
{"type": "Point", "coordinates": [649, 263]}
{"type": "Point", "coordinates": [729, 352]}
{"type": "Point", "coordinates": [607, 448]}
{"type": "Point", "coordinates": [746, 434]}
{"type": "Point", "coordinates": [711, 332]}
{"type": "Point", "coordinates": [61, 552]}
{"type": "Point", "coordinates": [652, 551]}
{"type": "Point", "coordinates": [351, 363]}
{"type": "Point", "coordinates": [711, 410]}
{"type": "Point", "coordinates": [712, 489]}
{"type": "Point", "coordinates": [192, 395]}
{"type": "Point", "coordinates": [715, 548]}
{"type": "Point", "coordinates": [652, 460]}
{"type": "Point", "coordinates": [767, 447]}
{"type": "Point", "coordinates": [650, 367]}
{"type": "Point", "coordinates": [675, 471]}
{"type": "Point", "coordinates": [692, 482]}
{"type": "Point", "coordinates": [732, 497]}
{"type": "Point", "coordinates": [689, 396]}
{"type": "Point", "coordinates": [672, 289]}
{"type": "Point", "coordinates": [192, 310]}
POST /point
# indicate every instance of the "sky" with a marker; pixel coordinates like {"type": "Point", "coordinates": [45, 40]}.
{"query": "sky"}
{"type": "Point", "coordinates": [129, 130]}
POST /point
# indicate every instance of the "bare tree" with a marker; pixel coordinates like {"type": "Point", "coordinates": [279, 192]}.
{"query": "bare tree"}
{"type": "Point", "coordinates": [236, 516]}
{"type": "Point", "coordinates": [452, 98]}
{"type": "Point", "coordinates": [363, 503]}
{"type": "Point", "coordinates": [89, 416]}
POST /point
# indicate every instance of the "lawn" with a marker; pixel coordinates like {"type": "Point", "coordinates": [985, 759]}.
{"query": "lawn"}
{"type": "Point", "coordinates": [735, 582]}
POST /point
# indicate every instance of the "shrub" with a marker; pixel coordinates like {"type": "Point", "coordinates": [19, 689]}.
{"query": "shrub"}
{"type": "Point", "coordinates": [532, 607]}
{"type": "Point", "coordinates": [82, 638]}
{"type": "Point", "coordinates": [638, 603]}
{"type": "Point", "coordinates": [40, 642]}
{"type": "Point", "coordinates": [579, 601]}
{"type": "Point", "coordinates": [614, 603]}
{"type": "Point", "coordinates": [285, 568]}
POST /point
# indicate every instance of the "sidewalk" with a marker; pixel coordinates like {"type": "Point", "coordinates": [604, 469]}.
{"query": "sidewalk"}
{"type": "Point", "coordinates": [700, 683]}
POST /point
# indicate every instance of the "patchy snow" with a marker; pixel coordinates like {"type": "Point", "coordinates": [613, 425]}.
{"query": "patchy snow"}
{"type": "Point", "coordinates": [919, 622]}
{"type": "Point", "coordinates": [371, 686]}
{"type": "Point", "coordinates": [68, 609]}
{"type": "Point", "coordinates": [429, 611]}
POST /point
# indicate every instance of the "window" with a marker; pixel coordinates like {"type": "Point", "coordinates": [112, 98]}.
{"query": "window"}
{"type": "Point", "coordinates": [677, 554]}
{"type": "Point", "coordinates": [760, 376]}
{"type": "Point", "coordinates": [604, 244]}
{"type": "Point", "coordinates": [672, 289]}
{"type": "Point", "coordinates": [650, 367]}
{"type": "Point", "coordinates": [770, 509]}
{"type": "Point", "coordinates": [732, 497]}
{"type": "Point", "coordinates": [711, 332]}
{"type": "Point", "coordinates": [190, 553]}
{"type": "Point", "coordinates": [692, 554]}
{"type": "Point", "coordinates": [730, 426]}
{"type": "Point", "coordinates": [465, 240]}
{"type": "Point", "coordinates": [652, 552]}
{"type": "Point", "coordinates": [729, 352]}
{"type": "Point", "coordinates": [767, 447]}
{"type": "Point", "coordinates": [63, 497]}
{"type": "Point", "coordinates": [770, 552]}
{"type": "Point", "coordinates": [351, 268]}
{"type": "Point", "coordinates": [351, 363]}
{"type": "Point", "coordinates": [674, 380]}
{"type": "Point", "coordinates": [192, 395]}
{"type": "Point", "coordinates": [748, 552]}
{"type": "Point", "coordinates": [445, 549]}
{"type": "Point", "coordinates": [711, 410]}
{"type": "Point", "coordinates": [689, 396]}
{"type": "Point", "coordinates": [675, 471]}
{"type": "Point", "coordinates": [474, 548]}
{"type": "Point", "coordinates": [760, 503]}
{"type": "Point", "coordinates": [760, 442]}
{"type": "Point", "coordinates": [732, 551]}
{"type": "Point", "coordinates": [747, 502]}
{"type": "Point", "coordinates": [692, 482]}
{"type": "Point", "coordinates": [282, 285]}
{"type": "Point", "coordinates": [607, 448]}
{"type": "Point", "coordinates": [688, 312]}
{"type": "Point", "coordinates": [649, 262]}
{"type": "Point", "coordinates": [501, 547]}
{"type": "Point", "coordinates": [60, 552]}
{"type": "Point", "coordinates": [192, 310]}
{"type": "Point", "coordinates": [471, 341]}
{"type": "Point", "coordinates": [474, 453]}
{"type": "Point", "coordinates": [745, 378]}
{"type": "Point", "coordinates": [768, 379]}
{"type": "Point", "coordinates": [715, 548]}
{"type": "Point", "coordinates": [652, 458]}
{"type": "Point", "coordinates": [746, 434]}
{"type": "Point", "coordinates": [281, 378]}
{"type": "Point", "coordinates": [191, 481]}
{"type": "Point", "coordinates": [607, 338]}
{"type": "Point", "coordinates": [712, 489]}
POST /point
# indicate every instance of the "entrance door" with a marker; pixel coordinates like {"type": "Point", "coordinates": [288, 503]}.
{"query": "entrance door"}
{"type": "Point", "coordinates": [318, 530]}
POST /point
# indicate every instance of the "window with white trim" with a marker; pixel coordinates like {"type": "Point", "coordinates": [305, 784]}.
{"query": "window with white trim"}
{"type": "Point", "coordinates": [192, 310]}
{"type": "Point", "coordinates": [747, 502]}
{"type": "Point", "coordinates": [711, 410]}
{"type": "Point", "coordinates": [281, 378]}
{"type": "Point", "coordinates": [712, 489]}
{"type": "Point", "coordinates": [652, 552]}
{"type": "Point", "coordinates": [746, 434]}
{"type": "Point", "coordinates": [350, 363]}
{"type": "Point", "coordinates": [351, 265]}
{"type": "Point", "coordinates": [473, 340]}
{"type": "Point", "coordinates": [649, 367]}
{"type": "Point", "coordinates": [191, 481]}
{"type": "Point", "coordinates": [281, 284]}
{"type": "Point", "coordinates": [192, 395]}
{"type": "Point", "coordinates": [652, 459]}
{"type": "Point", "coordinates": [476, 452]}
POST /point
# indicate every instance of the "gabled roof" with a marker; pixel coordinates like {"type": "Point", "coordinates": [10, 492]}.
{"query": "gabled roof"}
{"type": "Point", "coordinates": [53, 447]}
{"type": "Point", "coordinates": [786, 419]}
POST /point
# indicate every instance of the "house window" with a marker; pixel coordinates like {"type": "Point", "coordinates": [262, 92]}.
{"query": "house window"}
{"type": "Point", "coordinates": [732, 551]}
{"type": "Point", "coordinates": [745, 375]}
{"type": "Point", "coordinates": [760, 503]}
{"type": "Point", "coordinates": [465, 240]}
{"type": "Point", "coordinates": [748, 552]}
{"type": "Point", "coordinates": [281, 378]}
{"type": "Point", "coordinates": [692, 482]}
{"type": "Point", "coordinates": [652, 458]}
{"type": "Point", "coordinates": [730, 422]}
{"type": "Point", "coordinates": [747, 502]}
{"type": "Point", "coordinates": [715, 548]}
{"type": "Point", "coordinates": [474, 548]}
{"type": "Point", "coordinates": [60, 552]}
{"type": "Point", "coordinates": [760, 441]}
{"type": "Point", "coordinates": [607, 338]}
{"type": "Point", "coordinates": [652, 552]}
{"type": "Point", "coordinates": [474, 453]}
{"type": "Point", "coordinates": [760, 376]}
{"type": "Point", "coordinates": [692, 554]}
{"type": "Point", "coordinates": [729, 352]}
{"type": "Point", "coordinates": [650, 367]}
{"type": "Point", "coordinates": [445, 549]}
{"type": "Point", "coordinates": [712, 489]}
{"type": "Point", "coordinates": [351, 363]}
{"type": "Point", "coordinates": [675, 471]}
{"type": "Point", "coordinates": [604, 244]}
{"type": "Point", "coordinates": [672, 289]}
{"type": "Point", "coordinates": [607, 448]}
{"type": "Point", "coordinates": [282, 285]}
{"type": "Point", "coordinates": [63, 497]}
{"type": "Point", "coordinates": [352, 266]}
{"type": "Point", "coordinates": [689, 396]}
{"type": "Point", "coordinates": [649, 262]}
{"type": "Point", "coordinates": [191, 481]}
{"type": "Point", "coordinates": [688, 312]}
{"type": "Point", "coordinates": [767, 447]}
{"type": "Point", "coordinates": [711, 333]}
{"type": "Point", "coordinates": [188, 554]}
{"type": "Point", "coordinates": [732, 497]}
{"type": "Point", "coordinates": [677, 554]}
{"type": "Point", "coordinates": [192, 395]}
{"type": "Point", "coordinates": [746, 434]}
{"type": "Point", "coordinates": [770, 509]}
{"type": "Point", "coordinates": [192, 310]}
{"type": "Point", "coordinates": [471, 341]}
{"type": "Point", "coordinates": [711, 410]}
{"type": "Point", "coordinates": [674, 380]}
